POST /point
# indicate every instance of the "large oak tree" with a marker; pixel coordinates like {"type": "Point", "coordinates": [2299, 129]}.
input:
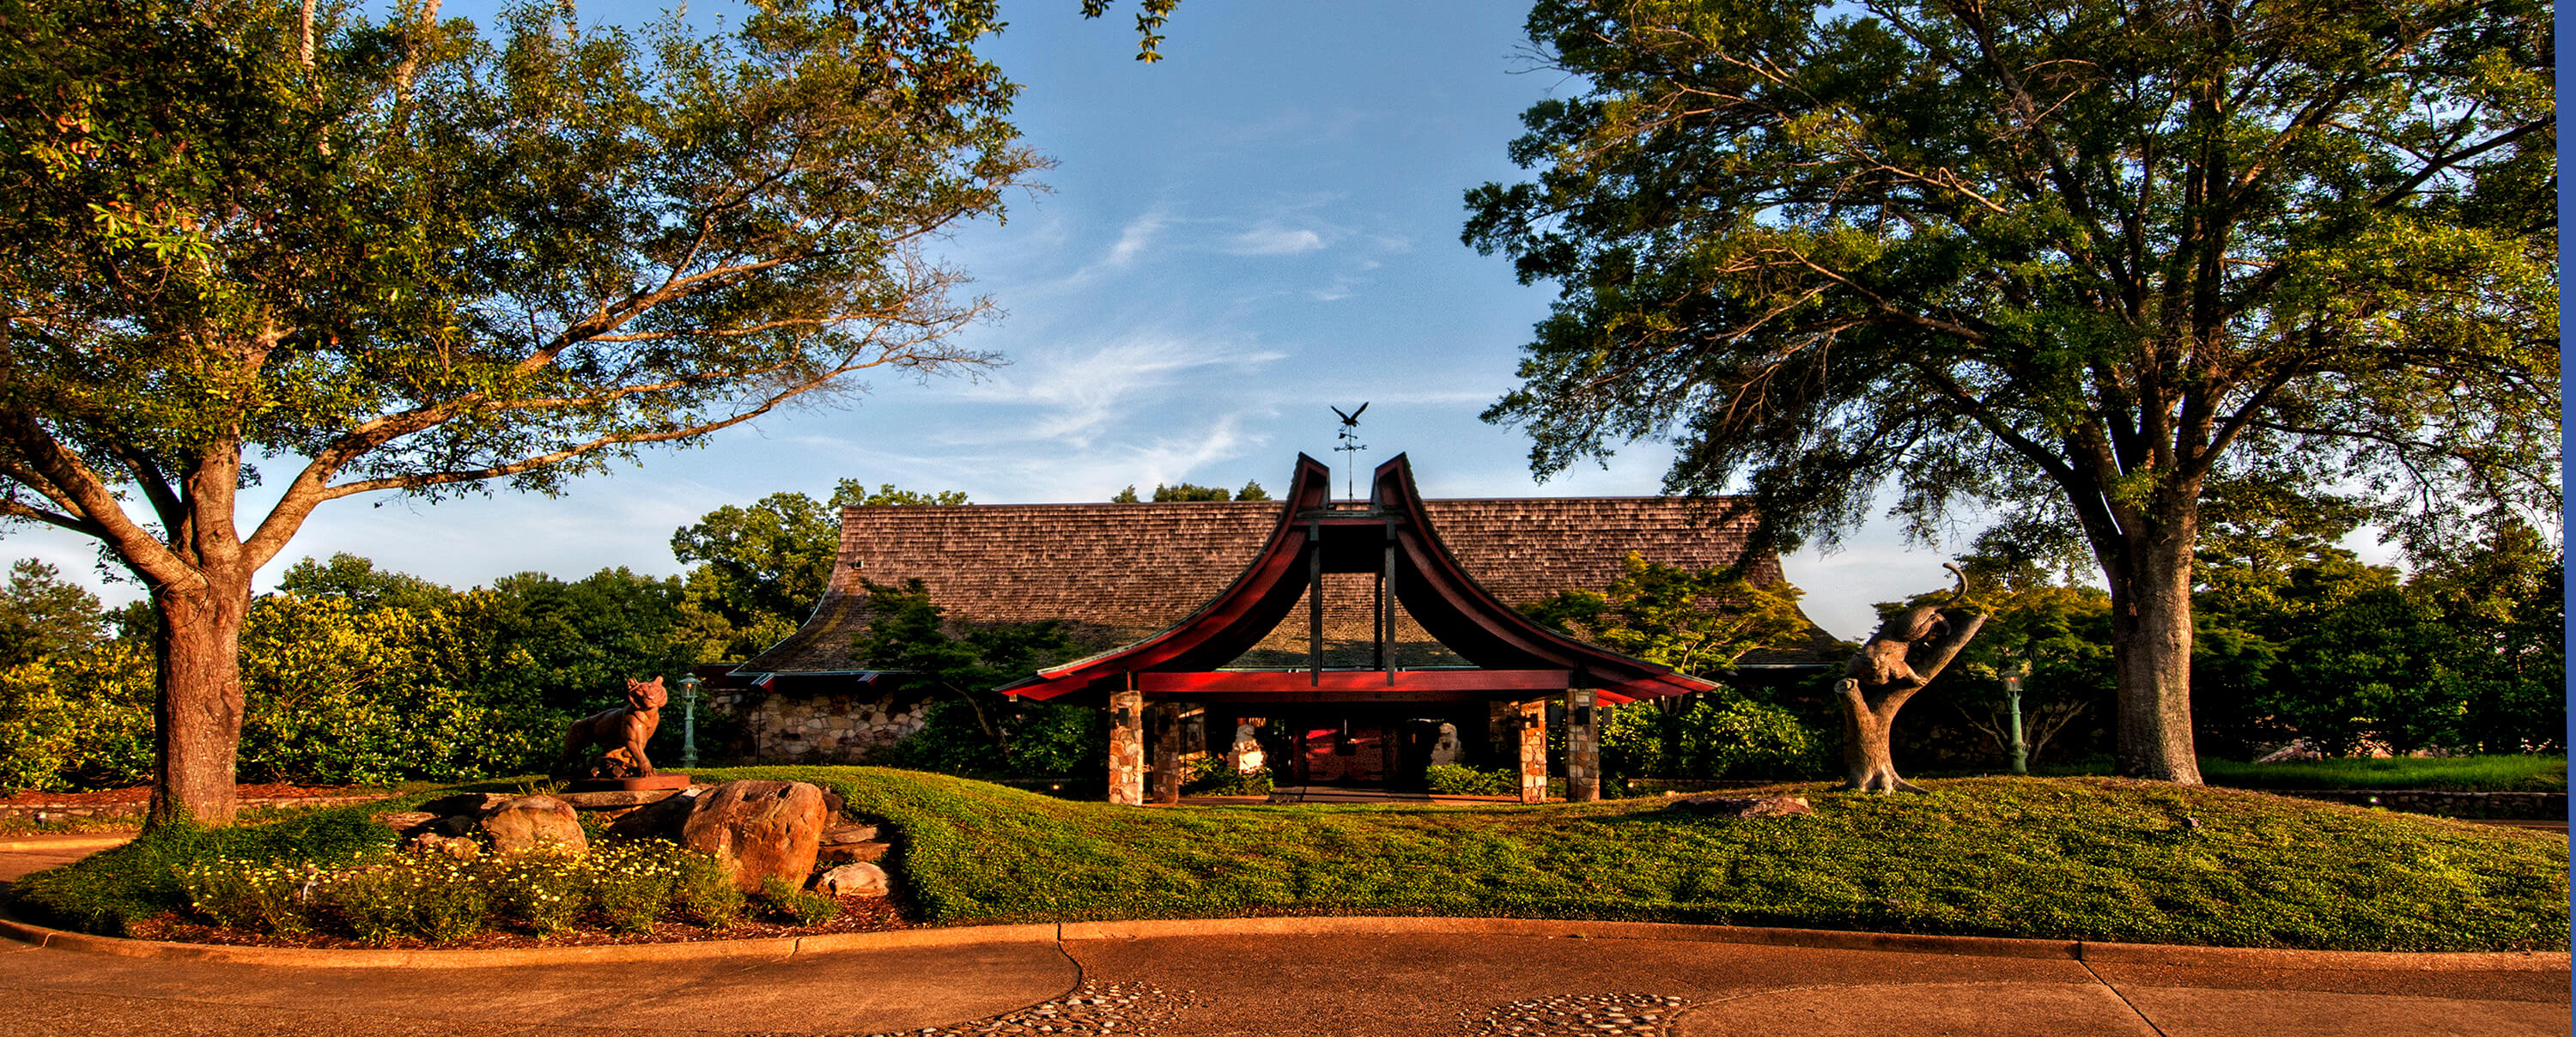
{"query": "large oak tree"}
{"type": "Point", "coordinates": [247, 241]}
{"type": "Point", "coordinates": [2070, 259]}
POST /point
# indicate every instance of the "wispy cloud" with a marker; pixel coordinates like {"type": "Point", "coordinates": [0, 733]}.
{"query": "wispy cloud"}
{"type": "Point", "coordinates": [1081, 392]}
{"type": "Point", "coordinates": [1134, 238]}
{"type": "Point", "coordinates": [1274, 240]}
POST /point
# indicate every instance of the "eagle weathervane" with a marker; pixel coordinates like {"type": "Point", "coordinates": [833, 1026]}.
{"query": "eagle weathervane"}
{"type": "Point", "coordinates": [1351, 444]}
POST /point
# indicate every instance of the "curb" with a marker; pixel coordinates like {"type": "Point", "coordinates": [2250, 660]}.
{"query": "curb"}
{"type": "Point", "coordinates": [1812, 939]}
{"type": "Point", "coordinates": [776, 949]}
{"type": "Point", "coordinates": [43, 843]}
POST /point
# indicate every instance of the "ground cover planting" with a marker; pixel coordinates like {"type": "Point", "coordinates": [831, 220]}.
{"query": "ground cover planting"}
{"type": "Point", "coordinates": [2066, 858]}
{"type": "Point", "coordinates": [336, 877]}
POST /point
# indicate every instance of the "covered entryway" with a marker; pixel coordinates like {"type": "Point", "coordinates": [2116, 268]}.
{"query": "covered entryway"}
{"type": "Point", "coordinates": [1376, 725]}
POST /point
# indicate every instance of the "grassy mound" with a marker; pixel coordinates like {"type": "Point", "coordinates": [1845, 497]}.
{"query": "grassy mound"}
{"type": "Point", "coordinates": [2095, 859]}
{"type": "Point", "coordinates": [2067, 858]}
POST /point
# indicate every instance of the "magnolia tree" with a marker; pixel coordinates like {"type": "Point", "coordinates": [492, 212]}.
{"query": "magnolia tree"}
{"type": "Point", "coordinates": [248, 241]}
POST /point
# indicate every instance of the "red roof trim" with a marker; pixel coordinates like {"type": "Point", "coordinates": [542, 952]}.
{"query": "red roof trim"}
{"type": "Point", "coordinates": [1430, 584]}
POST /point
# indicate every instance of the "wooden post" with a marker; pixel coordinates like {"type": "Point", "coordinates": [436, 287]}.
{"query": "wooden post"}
{"type": "Point", "coordinates": [1533, 723]}
{"type": "Point", "coordinates": [1127, 745]}
{"type": "Point", "coordinates": [1582, 745]}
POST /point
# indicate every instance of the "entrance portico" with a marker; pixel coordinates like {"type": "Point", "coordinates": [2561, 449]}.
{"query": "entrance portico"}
{"type": "Point", "coordinates": [1353, 724]}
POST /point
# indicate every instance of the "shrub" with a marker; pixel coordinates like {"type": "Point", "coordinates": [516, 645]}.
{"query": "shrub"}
{"type": "Point", "coordinates": [634, 883]}
{"type": "Point", "coordinates": [1726, 737]}
{"type": "Point", "coordinates": [704, 890]}
{"type": "Point", "coordinates": [268, 898]}
{"type": "Point", "coordinates": [797, 905]}
{"type": "Point", "coordinates": [1209, 776]}
{"type": "Point", "coordinates": [1451, 779]}
{"type": "Point", "coordinates": [417, 893]}
{"type": "Point", "coordinates": [545, 889]}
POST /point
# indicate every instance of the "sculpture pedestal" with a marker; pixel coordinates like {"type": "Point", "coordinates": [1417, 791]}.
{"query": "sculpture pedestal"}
{"type": "Point", "coordinates": [657, 781]}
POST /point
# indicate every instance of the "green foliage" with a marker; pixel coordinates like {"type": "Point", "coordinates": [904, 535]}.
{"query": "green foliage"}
{"type": "Point", "coordinates": [1209, 776]}
{"type": "Point", "coordinates": [114, 888]}
{"type": "Point", "coordinates": [1695, 621]}
{"type": "Point", "coordinates": [42, 616]}
{"type": "Point", "coordinates": [971, 729]}
{"type": "Point", "coordinates": [359, 675]}
{"type": "Point", "coordinates": [792, 903]}
{"type": "Point", "coordinates": [1452, 779]}
{"type": "Point", "coordinates": [379, 896]}
{"type": "Point", "coordinates": [1705, 737]}
{"type": "Point", "coordinates": [2061, 859]}
{"type": "Point", "coordinates": [760, 570]}
{"type": "Point", "coordinates": [704, 892]}
{"type": "Point", "coordinates": [2074, 263]}
{"type": "Point", "coordinates": [2049, 858]}
{"type": "Point", "coordinates": [2057, 635]}
{"type": "Point", "coordinates": [571, 646]}
{"type": "Point", "coordinates": [357, 581]}
{"type": "Point", "coordinates": [1186, 492]}
{"type": "Point", "coordinates": [1189, 492]}
{"type": "Point", "coordinates": [339, 695]}
{"type": "Point", "coordinates": [2298, 639]}
{"type": "Point", "coordinates": [410, 256]}
{"type": "Point", "coordinates": [421, 895]}
{"type": "Point", "coordinates": [2519, 772]}
{"type": "Point", "coordinates": [78, 721]}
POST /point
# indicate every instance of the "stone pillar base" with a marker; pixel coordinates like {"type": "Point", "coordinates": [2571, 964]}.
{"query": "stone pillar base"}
{"type": "Point", "coordinates": [1127, 747]}
{"type": "Point", "coordinates": [1533, 740]}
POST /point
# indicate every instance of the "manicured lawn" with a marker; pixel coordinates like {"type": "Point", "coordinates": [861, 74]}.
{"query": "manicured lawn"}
{"type": "Point", "coordinates": [2061, 858]}
{"type": "Point", "coordinates": [2459, 774]}
{"type": "Point", "coordinates": [2064, 858]}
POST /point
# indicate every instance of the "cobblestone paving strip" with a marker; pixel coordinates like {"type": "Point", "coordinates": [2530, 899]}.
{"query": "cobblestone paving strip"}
{"type": "Point", "coordinates": [1092, 1009]}
{"type": "Point", "coordinates": [1591, 1015]}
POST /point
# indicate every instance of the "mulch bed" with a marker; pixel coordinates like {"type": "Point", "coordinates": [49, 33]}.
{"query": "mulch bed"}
{"type": "Point", "coordinates": [858, 915]}
{"type": "Point", "coordinates": [143, 794]}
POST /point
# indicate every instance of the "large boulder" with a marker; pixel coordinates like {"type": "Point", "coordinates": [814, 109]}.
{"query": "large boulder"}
{"type": "Point", "coordinates": [759, 829]}
{"type": "Point", "coordinates": [526, 822]}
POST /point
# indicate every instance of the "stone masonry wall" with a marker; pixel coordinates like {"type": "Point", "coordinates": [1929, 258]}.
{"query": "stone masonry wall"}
{"type": "Point", "coordinates": [827, 728]}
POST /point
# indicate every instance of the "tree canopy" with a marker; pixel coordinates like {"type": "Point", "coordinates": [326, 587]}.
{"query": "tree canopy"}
{"type": "Point", "coordinates": [260, 241]}
{"type": "Point", "coordinates": [2070, 261]}
{"type": "Point", "coordinates": [759, 570]}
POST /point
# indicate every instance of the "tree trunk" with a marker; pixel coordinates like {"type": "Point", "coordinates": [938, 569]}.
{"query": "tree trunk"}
{"type": "Point", "coordinates": [1868, 766]}
{"type": "Point", "coordinates": [2151, 641]}
{"type": "Point", "coordinates": [1870, 712]}
{"type": "Point", "coordinates": [197, 718]}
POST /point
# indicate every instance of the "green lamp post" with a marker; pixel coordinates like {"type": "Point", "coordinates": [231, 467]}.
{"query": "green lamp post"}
{"type": "Point", "coordinates": [689, 721]}
{"type": "Point", "coordinates": [2012, 703]}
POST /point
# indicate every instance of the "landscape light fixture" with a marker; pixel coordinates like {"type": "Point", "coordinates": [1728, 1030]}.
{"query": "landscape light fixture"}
{"type": "Point", "coordinates": [2012, 704]}
{"type": "Point", "coordinates": [689, 720]}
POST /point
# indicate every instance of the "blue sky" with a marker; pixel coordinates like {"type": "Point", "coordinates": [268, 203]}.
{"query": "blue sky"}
{"type": "Point", "coordinates": [1261, 225]}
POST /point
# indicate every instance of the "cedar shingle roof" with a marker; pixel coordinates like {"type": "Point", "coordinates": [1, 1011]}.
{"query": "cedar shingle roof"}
{"type": "Point", "coordinates": [1117, 573]}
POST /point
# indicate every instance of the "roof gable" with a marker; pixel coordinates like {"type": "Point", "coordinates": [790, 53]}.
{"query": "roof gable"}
{"type": "Point", "coordinates": [1119, 573]}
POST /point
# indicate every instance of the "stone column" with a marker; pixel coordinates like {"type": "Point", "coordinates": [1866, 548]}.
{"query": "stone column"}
{"type": "Point", "coordinates": [1582, 745]}
{"type": "Point", "coordinates": [1163, 720]}
{"type": "Point", "coordinates": [1533, 723]}
{"type": "Point", "coordinates": [1127, 747]}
